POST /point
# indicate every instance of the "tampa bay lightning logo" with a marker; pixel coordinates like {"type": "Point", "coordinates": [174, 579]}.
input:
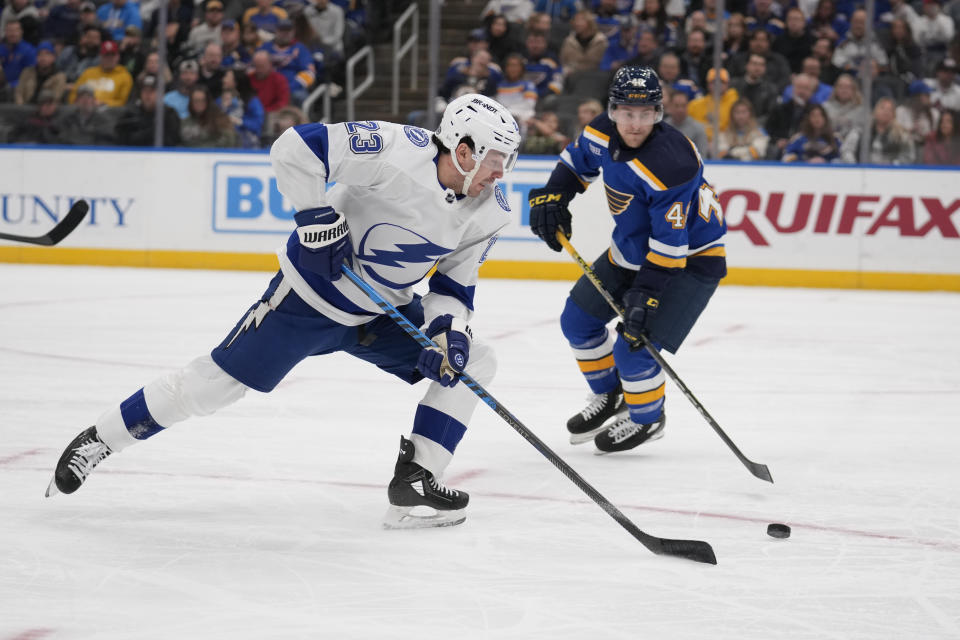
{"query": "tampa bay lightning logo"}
{"type": "Point", "coordinates": [501, 198]}
{"type": "Point", "coordinates": [397, 257]}
{"type": "Point", "coordinates": [417, 135]}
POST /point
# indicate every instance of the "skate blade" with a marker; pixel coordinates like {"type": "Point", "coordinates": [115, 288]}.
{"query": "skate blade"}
{"type": "Point", "coordinates": [586, 436]}
{"type": "Point", "coordinates": [656, 436]}
{"type": "Point", "coordinates": [404, 518]}
{"type": "Point", "coordinates": [52, 488]}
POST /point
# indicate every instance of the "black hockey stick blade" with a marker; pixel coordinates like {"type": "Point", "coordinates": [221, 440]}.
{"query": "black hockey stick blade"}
{"type": "Point", "coordinates": [695, 550]}
{"type": "Point", "coordinates": [60, 231]}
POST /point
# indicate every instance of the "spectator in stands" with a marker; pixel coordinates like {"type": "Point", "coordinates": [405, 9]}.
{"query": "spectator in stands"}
{"type": "Point", "coordinates": [765, 15]}
{"type": "Point", "coordinates": [6, 94]}
{"type": "Point", "coordinates": [293, 60]}
{"type": "Point", "coordinates": [755, 87]}
{"type": "Point", "coordinates": [736, 39]}
{"type": "Point", "coordinates": [516, 11]}
{"type": "Point", "coordinates": [132, 56]}
{"type": "Point", "coordinates": [889, 142]}
{"type": "Point", "coordinates": [85, 124]}
{"type": "Point", "coordinates": [135, 125]}
{"type": "Point", "coordinates": [515, 93]}
{"type": "Point", "coordinates": [44, 76]}
{"type": "Point", "coordinates": [560, 10]}
{"type": "Point", "coordinates": [784, 119]}
{"type": "Point", "coordinates": [695, 60]}
{"type": "Point", "coordinates": [583, 48]}
{"type": "Point", "coordinates": [917, 116]}
{"type": "Point", "coordinates": [669, 71]}
{"type": "Point", "coordinates": [666, 30]}
{"type": "Point", "coordinates": [207, 125]}
{"type": "Point", "coordinates": [703, 109]}
{"type": "Point", "coordinates": [622, 47]}
{"type": "Point", "coordinates": [151, 66]}
{"type": "Point", "coordinates": [282, 119]}
{"type": "Point", "coordinates": [41, 126]}
{"type": "Point", "coordinates": [74, 60]}
{"type": "Point", "coordinates": [899, 10]}
{"type": "Point", "coordinates": [648, 51]}
{"type": "Point", "coordinates": [111, 82]}
{"type": "Point", "coordinates": [15, 54]}
{"type": "Point", "coordinates": [117, 15]}
{"type": "Point", "coordinates": [905, 57]}
{"type": "Point", "coordinates": [544, 136]}
{"type": "Point", "coordinates": [815, 142]}
{"type": "Point", "coordinates": [677, 114]}
{"type": "Point", "coordinates": [778, 69]}
{"type": "Point", "coordinates": [845, 105]}
{"type": "Point", "coordinates": [25, 13]}
{"type": "Point", "coordinates": [744, 139]}
{"type": "Point", "coordinates": [211, 69]}
{"type": "Point", "coordinates": [542, 68]}
{"type": "Point", "coordinates": [480, 76]}
{"type": "Point", "coordinates": [188, 75]}
{"type": "Point", "coordinates": [249, 43]}
{"type": "Point", "coordinates": [327, 21]}
{"type": "Point", "coordinates": [946, 92]}
{"type": "Point", "coordinates": [823, 51]}
{"type": "Point", "coordinates": [265, 16]}
{"type": "Point", "coordinates": [63, 23]}
{"type": "Point", "coordinates": [796, 42]}
{"type": "Point", "coordinates": [933, 31]}
{"type": "Point", "coordinates": [943, 145]}
{"type": "Point", "coordinates": [851, 51]}
{"type": "Point", "coordinates": [811, 67]}
{"type": "Point", "coordinates": [243, 108]}
{"type": "Point", "coordinates": [179, 21]}
{"type": "Point", "coordinates": [207, 31]}
{"type": "Point", "coordinates": [230, 46]}
{"type": "Point", "coordinates": [502, 39]}
{"type": "Point", "coordinates": [587, 110]}
{"type": "Point", "coordinates": [609, 18]}
{"type": "Point", "coordinates": [271, 87]}
{"type": "Point", "coordinates": [827, 23]}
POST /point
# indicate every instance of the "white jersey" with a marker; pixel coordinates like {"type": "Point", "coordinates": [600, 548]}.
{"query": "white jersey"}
{"type": "Point", "coordinates": [402, 220]}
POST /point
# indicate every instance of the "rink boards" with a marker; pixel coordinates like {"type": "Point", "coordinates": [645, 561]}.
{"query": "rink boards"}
{"type": "Point", "coordinates": [790, 225]}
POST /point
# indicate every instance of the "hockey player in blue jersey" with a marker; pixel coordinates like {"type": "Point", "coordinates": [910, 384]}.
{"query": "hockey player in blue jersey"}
{"type": "Point", "coordinates": [665, 259]}
{"type": "Point", "coordinates": [405, 200]}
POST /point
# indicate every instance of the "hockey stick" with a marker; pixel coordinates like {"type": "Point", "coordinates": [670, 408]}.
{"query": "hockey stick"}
{"type": "Point", "coordinates": [60, 231]}
{"type": "Point", "coordinates": [695, 550]}
{"type": "Point", "coordinates": [759, 470]}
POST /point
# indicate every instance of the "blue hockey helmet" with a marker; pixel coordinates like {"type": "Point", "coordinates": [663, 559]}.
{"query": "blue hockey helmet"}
{"type": "Point", "coordinates": [636, 86]}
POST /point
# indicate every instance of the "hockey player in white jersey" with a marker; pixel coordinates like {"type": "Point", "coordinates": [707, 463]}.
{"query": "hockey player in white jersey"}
{"type": "Point", "coordinates": [405, 199]}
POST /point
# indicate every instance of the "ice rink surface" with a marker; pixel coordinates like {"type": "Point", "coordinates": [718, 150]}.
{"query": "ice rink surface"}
{"type": "Point", "coordinates": [263, 521]}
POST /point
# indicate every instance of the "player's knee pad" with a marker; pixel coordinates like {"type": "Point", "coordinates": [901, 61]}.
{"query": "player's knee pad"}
{"type": "Point", "coordinates": [579, 327]}
{"type": "Point", "coordinates": [198, 389]}
{"type": "Point", "coordinates": [482, 365]}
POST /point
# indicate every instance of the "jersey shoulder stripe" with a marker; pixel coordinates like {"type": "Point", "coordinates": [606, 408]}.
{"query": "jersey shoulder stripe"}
{"type": "Point", "coordinates": [668, 159]}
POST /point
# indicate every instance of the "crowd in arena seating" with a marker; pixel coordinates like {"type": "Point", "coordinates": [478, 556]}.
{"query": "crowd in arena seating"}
{"type": "Point", "coordinates": [790, 82]}
{"type": "Point", "coordinates": [236, 74]}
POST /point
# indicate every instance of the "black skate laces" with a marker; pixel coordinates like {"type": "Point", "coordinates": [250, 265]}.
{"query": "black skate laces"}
{"type": "Point", "coordinates": [86, 457]}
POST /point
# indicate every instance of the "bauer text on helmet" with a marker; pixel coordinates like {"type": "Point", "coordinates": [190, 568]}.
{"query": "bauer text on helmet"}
{"type": "Point", "coordinates": [491, 129]}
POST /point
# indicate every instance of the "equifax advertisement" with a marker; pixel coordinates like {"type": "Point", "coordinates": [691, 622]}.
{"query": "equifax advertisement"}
{"type": "Point", "coordinates": [780, 217]}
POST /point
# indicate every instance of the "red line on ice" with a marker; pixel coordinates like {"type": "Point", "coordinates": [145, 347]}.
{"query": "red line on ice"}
{"type": "Point", "coordinates": [20, 456]}
{"type": "Point", "coordinates": [32, 634]}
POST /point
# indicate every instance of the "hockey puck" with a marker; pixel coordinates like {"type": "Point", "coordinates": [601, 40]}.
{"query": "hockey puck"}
{"type": "Point", "coordinates": [777, 530]}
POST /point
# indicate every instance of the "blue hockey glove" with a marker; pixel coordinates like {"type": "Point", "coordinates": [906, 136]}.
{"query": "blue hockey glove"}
{"type": "Point", "coordinates": [324, 241]}
{"type": "Point", "coordinates": [453, 337]}
{"type": "Point", "coordinates": [549, 213]}
{"type": "Point", "coordinates": [639, 309]}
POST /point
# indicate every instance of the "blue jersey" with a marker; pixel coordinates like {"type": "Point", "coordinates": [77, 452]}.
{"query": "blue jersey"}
{"type": "Point", "coordinates": [667, 217]}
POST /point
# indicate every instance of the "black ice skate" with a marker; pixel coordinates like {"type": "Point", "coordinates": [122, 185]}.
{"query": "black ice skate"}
{"type": "Point", "coordinates": [80, 457]}
{"type": "Point", "coordinates": [592, 420]}
{"type": "Point", "coordinates": [626, 434]}
{"type": "Point", "coordinates": [413, 486]}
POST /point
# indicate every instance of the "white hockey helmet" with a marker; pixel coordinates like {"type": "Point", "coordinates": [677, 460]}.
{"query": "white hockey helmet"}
{"type": "Point", "coordinates": [494, 132]}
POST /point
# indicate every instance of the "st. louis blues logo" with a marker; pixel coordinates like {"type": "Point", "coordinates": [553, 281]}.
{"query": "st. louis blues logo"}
{"type": "Point", "coordinates": [417, 135]}
{"type": "Point", "coordinates": [617, 201]}
{"type": "Point", "coordinates": [501, 198]}
{"type": "Point", "coordinates": [397, 257]}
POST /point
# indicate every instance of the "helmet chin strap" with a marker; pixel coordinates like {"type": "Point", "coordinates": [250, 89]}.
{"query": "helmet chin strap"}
{"type": "Point", "coordinates": [467, 175]}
